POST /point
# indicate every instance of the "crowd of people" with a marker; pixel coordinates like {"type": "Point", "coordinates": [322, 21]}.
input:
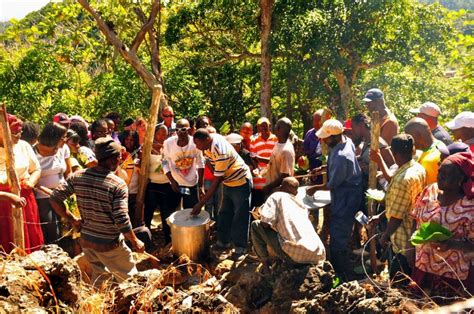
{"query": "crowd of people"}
{"type": "Point", "coordinates": [427, 175]}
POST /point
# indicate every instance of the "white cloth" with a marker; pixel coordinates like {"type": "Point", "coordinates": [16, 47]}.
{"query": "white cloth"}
{"type": "Point", "coordinates": [182, 162]}
{"type": "Point", "coordinates": [52, 171]}
{"type": "Point", "coordinates": [25, 161]}
{"type": "Point", "coordinates": [133, 184]}
{"type": "Point", "coordinates": [289, 218]}
{"type": "Point", "coordinates": [156, 171]}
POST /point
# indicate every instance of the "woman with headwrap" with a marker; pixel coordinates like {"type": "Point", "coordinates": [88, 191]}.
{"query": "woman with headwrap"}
{"type": "Point", "coordinates": [28, 172]}
{"type": "Point", "coordinates": [442, 266]}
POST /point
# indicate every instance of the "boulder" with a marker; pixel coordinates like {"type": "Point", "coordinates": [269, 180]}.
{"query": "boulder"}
{"type": "Point", "coordinates": [63, 272]}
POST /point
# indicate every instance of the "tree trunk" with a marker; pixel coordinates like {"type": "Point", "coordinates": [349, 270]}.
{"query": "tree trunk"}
{"type": "Point", "coordinates": [345, 92]}
{"type": "Point", "coordinates": [266, 60]}
{"type": "Point", "coordinates": [12, 178]}
{"type": "Point", "coordinates": [146, 153]}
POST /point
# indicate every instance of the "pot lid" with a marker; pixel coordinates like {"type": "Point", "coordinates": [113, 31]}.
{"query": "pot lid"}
{"type": "Point", "coordinates": [183, 218]}
{"type": "Point", "coordinates": [319, 199]}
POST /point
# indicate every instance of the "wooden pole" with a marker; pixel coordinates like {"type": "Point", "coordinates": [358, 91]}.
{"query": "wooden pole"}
{"type": "Point", "coordinates": [146, 153]}
{"type": "Point", "coordinates": [374, 145]}
{"type": "Point", "coordinates": [17, 213]}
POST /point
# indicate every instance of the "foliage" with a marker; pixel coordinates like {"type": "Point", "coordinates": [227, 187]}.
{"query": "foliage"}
{"type": "Point", "coordinates": [324, 53]}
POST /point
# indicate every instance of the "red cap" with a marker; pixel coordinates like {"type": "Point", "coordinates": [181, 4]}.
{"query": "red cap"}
{"type": "Point", "coordinates": [16, 125]}
{"type": "Point", "coordinates": [61, 118]}
{"type": "Point", "coordinates": [348, 124]}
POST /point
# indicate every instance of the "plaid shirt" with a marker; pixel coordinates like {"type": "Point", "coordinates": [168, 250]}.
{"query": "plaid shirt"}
{"type": "Point", "coordinates": [289, 218]}
{"type": "Point", "coordinates": [405, 186]}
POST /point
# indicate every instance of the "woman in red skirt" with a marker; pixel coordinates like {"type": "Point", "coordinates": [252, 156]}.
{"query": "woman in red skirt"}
{"type": "Point", "coordinates": [28, 172]}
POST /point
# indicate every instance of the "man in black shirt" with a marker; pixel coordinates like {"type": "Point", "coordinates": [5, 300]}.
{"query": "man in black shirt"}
{"type": "Point", "coordinates": [430, 112]}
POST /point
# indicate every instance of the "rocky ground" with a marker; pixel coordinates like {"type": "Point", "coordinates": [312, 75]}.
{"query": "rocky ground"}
{"type": "Point", "coordinates": [50, 281]}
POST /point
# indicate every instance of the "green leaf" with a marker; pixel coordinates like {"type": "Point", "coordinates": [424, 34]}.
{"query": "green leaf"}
{"type": "Point", "coordinates": [430, 232]}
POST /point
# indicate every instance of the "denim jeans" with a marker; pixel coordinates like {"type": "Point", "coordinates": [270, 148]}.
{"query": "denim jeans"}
{"type": "Point", "coordinates": [214, 203]}
{"type": "Point", "coordinates": [51, 222]}
{"type": "Point", "coordinates": [234, 215]}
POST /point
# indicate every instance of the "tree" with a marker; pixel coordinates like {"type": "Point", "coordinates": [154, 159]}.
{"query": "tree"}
{"type": "Point", "coordinates": [151, 78]}
{"type": "Point", "coordinates": [345, 38]}
{"type": "Point", "coordinates": [266, 7]}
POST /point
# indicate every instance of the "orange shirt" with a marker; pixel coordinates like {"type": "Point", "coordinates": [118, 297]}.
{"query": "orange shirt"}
{"type": "Point", "coordinates": [263, 148]}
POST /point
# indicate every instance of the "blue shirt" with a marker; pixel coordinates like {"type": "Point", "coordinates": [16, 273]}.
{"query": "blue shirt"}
{"type": "Point", "coordinates": [343, 168]}
{"type": "Point", "coordinates": [312, 148]}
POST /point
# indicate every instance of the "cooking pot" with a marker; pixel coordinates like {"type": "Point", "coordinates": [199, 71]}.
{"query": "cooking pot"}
{"type": "Point", "coordinates": [190, 234]}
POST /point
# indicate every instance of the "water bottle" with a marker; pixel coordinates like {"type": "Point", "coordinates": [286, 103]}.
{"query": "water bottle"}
{"type": "Point", "coordinates": [184, 191]}
{"type": "Point", "coordinates": [361, 218]}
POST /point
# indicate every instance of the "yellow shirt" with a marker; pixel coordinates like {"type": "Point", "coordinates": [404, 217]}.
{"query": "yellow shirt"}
{"type": "Point", "coordinates": [430, 159]}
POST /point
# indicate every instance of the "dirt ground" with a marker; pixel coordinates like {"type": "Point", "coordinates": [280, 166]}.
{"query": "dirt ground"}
{"type": "Point", "coordinates": [50, 281]}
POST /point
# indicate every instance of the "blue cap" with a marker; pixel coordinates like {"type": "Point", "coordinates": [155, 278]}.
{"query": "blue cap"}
{"type": "Point", "coordinates": [457, 147]}
{"type": "Point", "coordinates": [373, 94]}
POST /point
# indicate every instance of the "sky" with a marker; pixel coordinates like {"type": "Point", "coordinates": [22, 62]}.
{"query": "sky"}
{"type": "Point", "coordinates": [19, 8]}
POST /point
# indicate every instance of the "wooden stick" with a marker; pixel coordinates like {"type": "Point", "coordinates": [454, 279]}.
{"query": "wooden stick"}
{"type": "Point", "coordinates": [374, 145]}
{"type": "Point", "coordinates": [147, 146]}
{"type": "Point", "coordinates": [324, 148]}
{"type": "Point", "coordinates": [17, 213]}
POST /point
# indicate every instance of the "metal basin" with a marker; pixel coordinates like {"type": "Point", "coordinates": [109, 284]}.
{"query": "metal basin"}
{"type": "Point", "coordinates": [190, 234]}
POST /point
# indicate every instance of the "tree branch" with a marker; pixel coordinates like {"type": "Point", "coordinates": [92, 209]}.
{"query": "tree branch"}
{"type": "Point", "coordinates": [129, 56]}
{"type": "Point", "coordinates": [155, 7]}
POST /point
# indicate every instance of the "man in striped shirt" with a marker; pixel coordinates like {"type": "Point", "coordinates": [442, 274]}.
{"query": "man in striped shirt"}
{"type": "Point", "coordinates": [102, 199]}
{"type": "Point", "coordinates": [261, 148]}
{"type": "Point", "coordinates": [230, 169]}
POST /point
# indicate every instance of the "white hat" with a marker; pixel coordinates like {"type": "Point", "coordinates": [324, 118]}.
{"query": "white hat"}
{"type": "Point", "coordinates": [330, 127]}
{"type": "Point", "coordinates": [429, 108]}
{"type": "Point", "coordinates": [464, 119]}
{"type": "Point", "coordinates": [234, 138]}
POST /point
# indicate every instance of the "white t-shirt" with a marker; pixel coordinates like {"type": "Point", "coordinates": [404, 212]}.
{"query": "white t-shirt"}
{"type": "Point", "coordinates": [156, 171]}
{"type": "Point", "coordinates": [282, 161]}
{"type": "Point", "coordinates": [52, 171]}
{"type": "Point", "coordinates": [133, 184]}
{"type": "Point", "coordinates": [25, 161]}
{"type": "Point", "coordinates": [182, 162]}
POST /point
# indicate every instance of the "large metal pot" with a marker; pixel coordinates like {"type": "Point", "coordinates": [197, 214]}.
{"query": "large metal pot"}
{"type": "Point", "coordinates": [190, 234]}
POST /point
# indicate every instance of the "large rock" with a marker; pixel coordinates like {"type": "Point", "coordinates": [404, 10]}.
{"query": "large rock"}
{"type": "Point", "coordinates": [243, 280]}
{"type": "Point", "coordinates": [303, 281]}
{"type": "Point", "coordinates": [63, 273]}
{"type": "Point", "coordinates": [46, 279]}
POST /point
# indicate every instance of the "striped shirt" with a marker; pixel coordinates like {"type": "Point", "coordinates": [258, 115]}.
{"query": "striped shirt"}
{"type": "Point", "coordinates": [102, 199]}
{"type": "Point", "coordinates": [226, 162]}
{"type": "Point", "coordinates": [263, 148]}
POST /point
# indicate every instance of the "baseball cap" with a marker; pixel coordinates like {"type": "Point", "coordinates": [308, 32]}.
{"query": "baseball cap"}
{"type": "Point", "coordinates": [106, 147]}
{"type": "Point", "coordinates": [348, 124]}
{"type": "Point", "coordinates": [457, 147]}
{"type": "Point", "coordinates": [61, 118]}
{"type": "Point", "coordinates": [263, 120]}
{"type": "Point", "coordinates": [464, 119]}
{"type": "Point", "coordinates": [234, 138]}
{"type": "Point", "coordinates": [429, 108]}
{"type": "Point", "coordinates": [330, 127]}
{"type": "Point", "coordinates": [373, 94]}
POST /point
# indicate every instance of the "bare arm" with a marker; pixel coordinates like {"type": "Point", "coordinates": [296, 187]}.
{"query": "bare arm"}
{"type": "Point", "coordinates": [215, 184]}
{"type": "Point", "coordinates": [389, 130]}
{"type": "Point", "coordinates": [17, 201]}
{"type": "Point", "coordinates": [377, 157]}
